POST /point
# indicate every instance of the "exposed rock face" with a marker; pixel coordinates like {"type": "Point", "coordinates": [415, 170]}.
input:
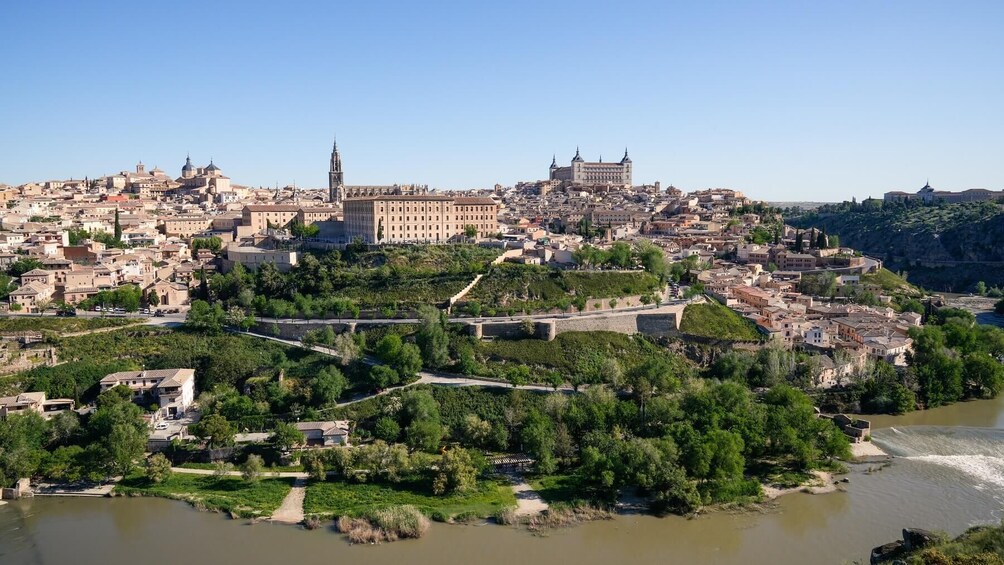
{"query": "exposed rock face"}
{"type": "Point", "coordinates": [887, 552]}
{"type": "Point", "coordinates": [913, 539]}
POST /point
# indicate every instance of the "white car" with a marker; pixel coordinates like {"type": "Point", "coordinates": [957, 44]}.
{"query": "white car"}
{"type": "Point", "coordinates": [161, 426]}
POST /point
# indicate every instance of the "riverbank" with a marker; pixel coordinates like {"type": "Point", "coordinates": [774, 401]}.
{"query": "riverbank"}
{"type": "Point", "coordinates": [232, 495]}
{"type": "Point", "coordinates": [867, 450]}
{"type": "Point", "coordinates": [821, 483]}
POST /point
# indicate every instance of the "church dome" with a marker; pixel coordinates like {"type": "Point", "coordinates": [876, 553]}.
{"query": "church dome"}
{"type": "Point", "coordinates": [212, 167]}
{"type": "Point", "coordinates": [188, 165]}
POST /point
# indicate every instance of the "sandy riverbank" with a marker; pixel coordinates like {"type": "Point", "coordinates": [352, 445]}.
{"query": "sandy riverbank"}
{"type": "Point", "coordinates": [821, 483]}
{"type": "Point", "coordinates": [867, 450]}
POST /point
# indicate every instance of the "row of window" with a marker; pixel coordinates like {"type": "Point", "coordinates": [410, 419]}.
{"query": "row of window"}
{"type": "Point", "coordinates": [436, 219]}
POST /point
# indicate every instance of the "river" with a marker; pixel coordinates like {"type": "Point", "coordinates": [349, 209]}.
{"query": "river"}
{"type": "Point", "coordinates": [948, 475]}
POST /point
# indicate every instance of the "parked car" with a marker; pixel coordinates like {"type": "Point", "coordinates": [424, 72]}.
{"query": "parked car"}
{"type": "Point", "coordinates": [161, 426]}
{"type": "Point", "coordinates": [158, 314]}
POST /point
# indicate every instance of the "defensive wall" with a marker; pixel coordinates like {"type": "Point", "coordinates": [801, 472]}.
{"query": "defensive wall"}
{"type": "Point", "coordinates": [657, 322]}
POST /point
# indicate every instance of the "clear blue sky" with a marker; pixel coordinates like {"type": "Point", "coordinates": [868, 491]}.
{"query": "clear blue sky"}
{"type": "Point", "coordinates": [786, 101]}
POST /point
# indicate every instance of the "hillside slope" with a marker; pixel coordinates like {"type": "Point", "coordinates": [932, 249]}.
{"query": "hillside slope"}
{"type": "Point", "coordinates": [923, 239]}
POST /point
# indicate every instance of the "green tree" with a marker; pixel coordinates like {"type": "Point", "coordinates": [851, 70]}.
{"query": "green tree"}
{"type": "Point", "coordinates": [215, 430]}
{"type": "Point", "coordinates": [388, 348]}
{"type": "Point", "coordinates": [474, 308]}
{"type": "Point", "coordinates": [285, 437]}
{"type": "Point", "coordinates": [537, 437]}
{"type": "Point", "coordinates": [383, 376]}
{"type": "Point", "coordinates": [212, 243]}
{"type": "Point", "coordinates": [313, 465]}
{"type": "Point", "coordinates": [408, 361]}
{"type": "Point", "coordinates": [620, 255]}
{"type": "Point", "coordinates": [470, 231]}
{"type": "Point", "coordinates": [118, 226]}
{"type": "Point", "coordinates": [424, 435]}
{"type": "Point", "coordinates": [253, 468]}
{"type": "Point", "coordinates": [726, 450]}
{"type": "Point", "coordinates": [118, 435]}
{"type": "Point", "coordinates": [821, 240]}
{"type": "Point", "coordinates": [202, 317]}
{"type": "Point", "coordinates": [981, 288]}
{"type": "Point", "coordinates": [327, 386]}
{"type": "Point", "coordinates": [475, 431]}
{"type": "Point", "coordinates": [22, 442]}
{"type": "Point", "coordinates": [457, 472]}
{"type": "Point", "coordinates": [22, 266]}
{"type": "Point", "coordinates": [983, 375]}
{"type": "Point", "coordinates": [158, 468]}
{"type": "Point", "coordinates": [387, 429]}
{"type": "Point", "coordinates": [432, 338]}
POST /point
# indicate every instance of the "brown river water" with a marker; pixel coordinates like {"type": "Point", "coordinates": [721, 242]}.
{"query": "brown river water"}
{"type": "Point", "coordinates": [948, 475]}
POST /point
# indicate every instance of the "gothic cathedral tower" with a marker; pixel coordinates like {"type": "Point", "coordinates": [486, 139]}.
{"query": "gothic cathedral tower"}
{"type": "Point", "coordinates": [336, 179]}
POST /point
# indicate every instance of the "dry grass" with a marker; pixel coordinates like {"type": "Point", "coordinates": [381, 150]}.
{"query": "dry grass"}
{"type": "Point", "coordinates": [564, 517]}
{"type": "Point", "coordinates": [388, 524]}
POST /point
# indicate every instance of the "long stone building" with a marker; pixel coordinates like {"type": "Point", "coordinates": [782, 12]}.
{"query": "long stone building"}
{"type": "Point", "coordinates": [418, 218]}
{"type": "Point", "coordinates": [583, 173]}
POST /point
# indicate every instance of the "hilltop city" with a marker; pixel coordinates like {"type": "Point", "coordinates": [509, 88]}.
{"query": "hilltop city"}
{"type": "Point", "coordinates": [396, 353]}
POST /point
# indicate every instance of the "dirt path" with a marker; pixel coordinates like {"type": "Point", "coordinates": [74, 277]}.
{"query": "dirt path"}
{"type": "Point", "coordinates": [291, 510]}
{"type": "Point", "coordinates": [528, 501]}
{"type": "Point", "coordinates": [266, 474]}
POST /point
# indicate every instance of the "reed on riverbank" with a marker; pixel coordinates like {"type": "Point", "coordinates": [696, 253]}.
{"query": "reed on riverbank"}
{"type": "Point", "coordinates": [387, 524]}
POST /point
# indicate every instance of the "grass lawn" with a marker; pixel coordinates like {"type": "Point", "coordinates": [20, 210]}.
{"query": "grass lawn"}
{"type": "Point", "coordinates": [340, 498]}
{"type": "Point", "coordinates": [62, 325]}
{"type": "Point", "coordinates": [223, 494]}
{"type": "Point", "coordinates": [558, 489]}
{"type": "Point", "coordinates": [716, 321]}
{"type": "Point", "coordinates": [569, 351]}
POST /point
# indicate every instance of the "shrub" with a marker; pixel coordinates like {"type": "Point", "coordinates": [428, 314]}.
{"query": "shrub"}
{"type": "Point", "coordinates": [402, 521]}
{"type": "Point", "coordinates": [506, 517]}
{"type": "Point", "coordinates": [252, 469]}
{"type": "Point", "coordinates": [158, 468]}
{"type": "Point", "coordinates": [387, 524]}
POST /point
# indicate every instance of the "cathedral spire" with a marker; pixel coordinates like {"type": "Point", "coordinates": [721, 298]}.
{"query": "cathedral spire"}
{"type": "Point", "coordinates": [336, 179]}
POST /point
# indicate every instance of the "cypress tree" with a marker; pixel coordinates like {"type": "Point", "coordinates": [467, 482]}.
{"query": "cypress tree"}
{"type": "Point", "coordinates": [118, 226]}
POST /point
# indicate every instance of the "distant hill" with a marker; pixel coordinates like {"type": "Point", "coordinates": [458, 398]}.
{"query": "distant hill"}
{"type": "Point", "coordinates": [944, 247]}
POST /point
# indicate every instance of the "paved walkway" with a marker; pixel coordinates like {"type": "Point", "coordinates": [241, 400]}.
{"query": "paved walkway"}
{"type": "Point", "coordinates": [424, 377]}
{"type": "Point", "coordinates": [291, 510]}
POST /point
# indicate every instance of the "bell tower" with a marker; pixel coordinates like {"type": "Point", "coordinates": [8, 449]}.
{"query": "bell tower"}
{"type": "Point", "coordinates": [336, 179]}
